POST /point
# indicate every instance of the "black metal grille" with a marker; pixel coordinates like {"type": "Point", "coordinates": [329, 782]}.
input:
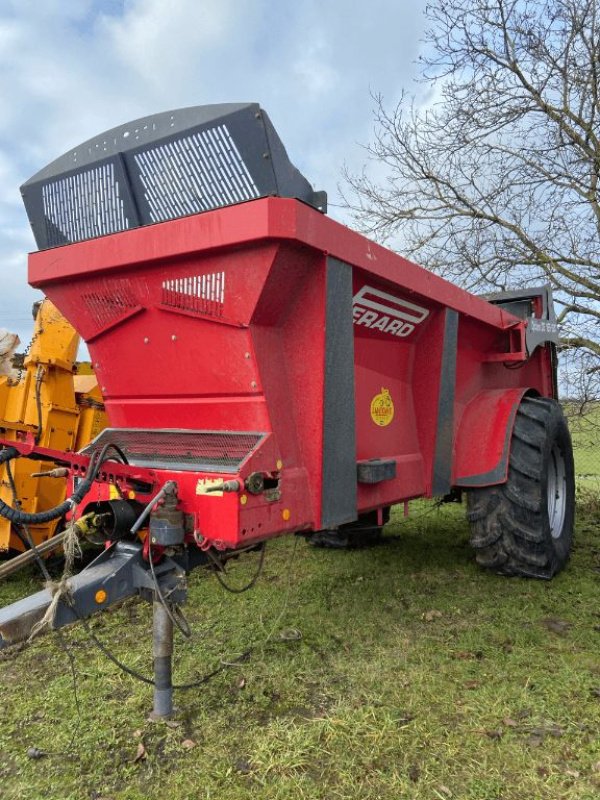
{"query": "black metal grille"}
{"type": "Point", "coordinates": [83, 206]}
{"type": "Point", "coordinates": [160, 168]}
{"type": "Point", "coordinates": [189, 451]}
{"type": "Point", "coordinates": [194, 173]}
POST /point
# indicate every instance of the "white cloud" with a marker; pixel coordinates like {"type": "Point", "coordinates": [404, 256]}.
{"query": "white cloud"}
{"type": "Point", "coordinates": [70, 69]}
{"type": "Point", "coordinates": [160, 41]}
{"type": "Point", "coordinates": [313, 70]}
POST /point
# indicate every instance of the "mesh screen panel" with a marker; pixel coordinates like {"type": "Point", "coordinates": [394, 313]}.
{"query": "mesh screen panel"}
{"type": "Point", "coordinates": [110, 301]}
{"type": "Point", "coordinates": [203, 294]}
{"type": "Point", "coordinates": [83, 206]}
{"type": "Point", "coordinates": [219, 451]}
{"type": "Point", "coordinates": [194, 173]}
{"type": "Point", "coordinates": [160, 168]}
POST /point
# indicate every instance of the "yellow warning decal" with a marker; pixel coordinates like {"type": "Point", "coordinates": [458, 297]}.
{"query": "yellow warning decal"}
{"type": "Point", "coordinates": [382, 408]}
{"type": "Point", "coordinates": [206, 483]}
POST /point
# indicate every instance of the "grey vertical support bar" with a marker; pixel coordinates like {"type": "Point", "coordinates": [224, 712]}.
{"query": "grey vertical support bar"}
{"type": "Point", "coordinates": [162, 651]}
{"type": "Point", "coordinates": [339, 425]}
{"type": "Point", "coordinates": [444, 442]}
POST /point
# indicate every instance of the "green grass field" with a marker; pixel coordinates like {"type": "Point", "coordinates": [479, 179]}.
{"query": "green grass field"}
{"type": "Point", "coordinates": [585, 431]}
{"type": "Point", "coordinates": [417, 676]}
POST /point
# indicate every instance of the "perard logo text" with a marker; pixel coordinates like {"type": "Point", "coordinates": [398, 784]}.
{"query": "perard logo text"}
{"type": "Point", "coordinates": [383, 312]}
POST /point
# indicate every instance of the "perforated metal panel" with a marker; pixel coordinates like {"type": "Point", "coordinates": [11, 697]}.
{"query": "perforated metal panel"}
{"type": "Point", "coordinates": [110, 301]}
{"type": "Point", "coordinates": [194, 173]}
{"type": "Point", "coordinates": [84, 206]}
{"type": "Point", "coordinates": [202, 294]}
{"type": "Point", "coordinates": [189, 451]}
{"type": "Point", "coordinates": [160, 168]}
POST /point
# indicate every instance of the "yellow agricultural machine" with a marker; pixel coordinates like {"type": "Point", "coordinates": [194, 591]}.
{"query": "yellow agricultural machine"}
{"type": "Point", "coordinates": [58, 401]}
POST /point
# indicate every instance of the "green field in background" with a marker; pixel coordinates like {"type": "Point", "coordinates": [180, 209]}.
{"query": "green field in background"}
{"type": "Point", "coordinates": [585, 433]}
{"type": "Point", "coordinates": [416, 675]}
{"type": "Point", "coordinates": [413, 675]}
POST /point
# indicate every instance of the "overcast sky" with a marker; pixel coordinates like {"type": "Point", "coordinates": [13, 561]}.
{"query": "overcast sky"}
{"type": "Point", "coordinates": [71, 69]}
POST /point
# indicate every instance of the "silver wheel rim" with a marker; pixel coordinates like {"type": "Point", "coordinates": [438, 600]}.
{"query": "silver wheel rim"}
{"type": "Point", "coordinates": [557, 491]}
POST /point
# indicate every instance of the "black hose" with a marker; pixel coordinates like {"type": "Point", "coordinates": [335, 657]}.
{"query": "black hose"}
{"type": "Point", "coordinates": [99, 456]}
{"type": "Point", "coordinates": [41, 517]}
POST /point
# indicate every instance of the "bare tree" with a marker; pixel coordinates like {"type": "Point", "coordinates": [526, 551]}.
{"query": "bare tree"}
{"type": "Point", "coordinates": [496, 182]}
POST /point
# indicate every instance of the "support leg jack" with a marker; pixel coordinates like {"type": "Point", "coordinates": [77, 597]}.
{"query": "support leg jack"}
{"type": "Point", "coordinates": [162, 651]}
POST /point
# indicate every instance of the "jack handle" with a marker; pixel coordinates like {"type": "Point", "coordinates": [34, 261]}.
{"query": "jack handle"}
{"type": "Point", "coordinates": [58, 472]}
{"type": "Point", "coordinates": [226, 486]}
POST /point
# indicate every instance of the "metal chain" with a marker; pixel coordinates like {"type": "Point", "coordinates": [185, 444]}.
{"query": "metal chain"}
{"type": "Point", "coordinates": [15, 381]}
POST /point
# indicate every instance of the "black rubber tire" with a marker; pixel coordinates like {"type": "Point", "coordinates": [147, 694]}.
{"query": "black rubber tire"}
{"type": "Point", "coordinates": [510, 524]}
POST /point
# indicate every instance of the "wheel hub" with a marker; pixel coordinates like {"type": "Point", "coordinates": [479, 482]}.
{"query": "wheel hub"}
{"type": "Point", "coordinates": [557, 491]}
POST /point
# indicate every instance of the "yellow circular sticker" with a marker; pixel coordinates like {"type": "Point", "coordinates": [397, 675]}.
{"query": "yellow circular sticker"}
{"type": "Point", "coordinates": [382, 408]}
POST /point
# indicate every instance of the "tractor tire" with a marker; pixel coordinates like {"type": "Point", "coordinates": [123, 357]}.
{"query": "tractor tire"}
{"type": "Point", "coordinates": [525, 526]}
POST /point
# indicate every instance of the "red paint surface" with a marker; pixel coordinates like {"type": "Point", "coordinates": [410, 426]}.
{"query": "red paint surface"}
{"type": "Point", "coordinates": [166, 358]}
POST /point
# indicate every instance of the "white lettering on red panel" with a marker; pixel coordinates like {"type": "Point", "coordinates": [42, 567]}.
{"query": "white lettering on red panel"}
{"type": "Point", "coordinates": [383, 312]}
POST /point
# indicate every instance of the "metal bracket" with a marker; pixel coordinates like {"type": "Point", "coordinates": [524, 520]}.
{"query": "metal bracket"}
{"type": "Point", "coordinates": [539, 330]}
{"type": "Point", "coordinates": [116, 574]}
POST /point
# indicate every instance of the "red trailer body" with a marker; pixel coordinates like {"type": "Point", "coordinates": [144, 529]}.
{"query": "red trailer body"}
{"type": "Point", "coordinates": [266, 338]}
{"type": "Point", "coordinates": [266, 370]}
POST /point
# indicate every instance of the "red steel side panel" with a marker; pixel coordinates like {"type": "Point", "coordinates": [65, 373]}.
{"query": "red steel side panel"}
{"type": "Point", "coordinates": [246, 224]}
{"type": "Point", "coordinates": [218, 321]}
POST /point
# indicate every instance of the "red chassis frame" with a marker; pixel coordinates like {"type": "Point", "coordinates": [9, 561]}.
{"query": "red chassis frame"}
{"type": "Point", "coordinates": [373, 380]}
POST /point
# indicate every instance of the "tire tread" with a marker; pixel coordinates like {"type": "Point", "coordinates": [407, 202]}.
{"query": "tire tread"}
{"type": "Point", "coordinates": [508, 522]}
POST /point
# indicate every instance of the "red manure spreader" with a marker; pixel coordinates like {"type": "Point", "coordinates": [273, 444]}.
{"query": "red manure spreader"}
{"type": "Point", "coordinates": [266, 370]}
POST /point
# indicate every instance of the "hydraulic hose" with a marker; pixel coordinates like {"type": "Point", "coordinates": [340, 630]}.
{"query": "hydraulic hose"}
{"type": "Point", "coordinates": [22, 517]}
